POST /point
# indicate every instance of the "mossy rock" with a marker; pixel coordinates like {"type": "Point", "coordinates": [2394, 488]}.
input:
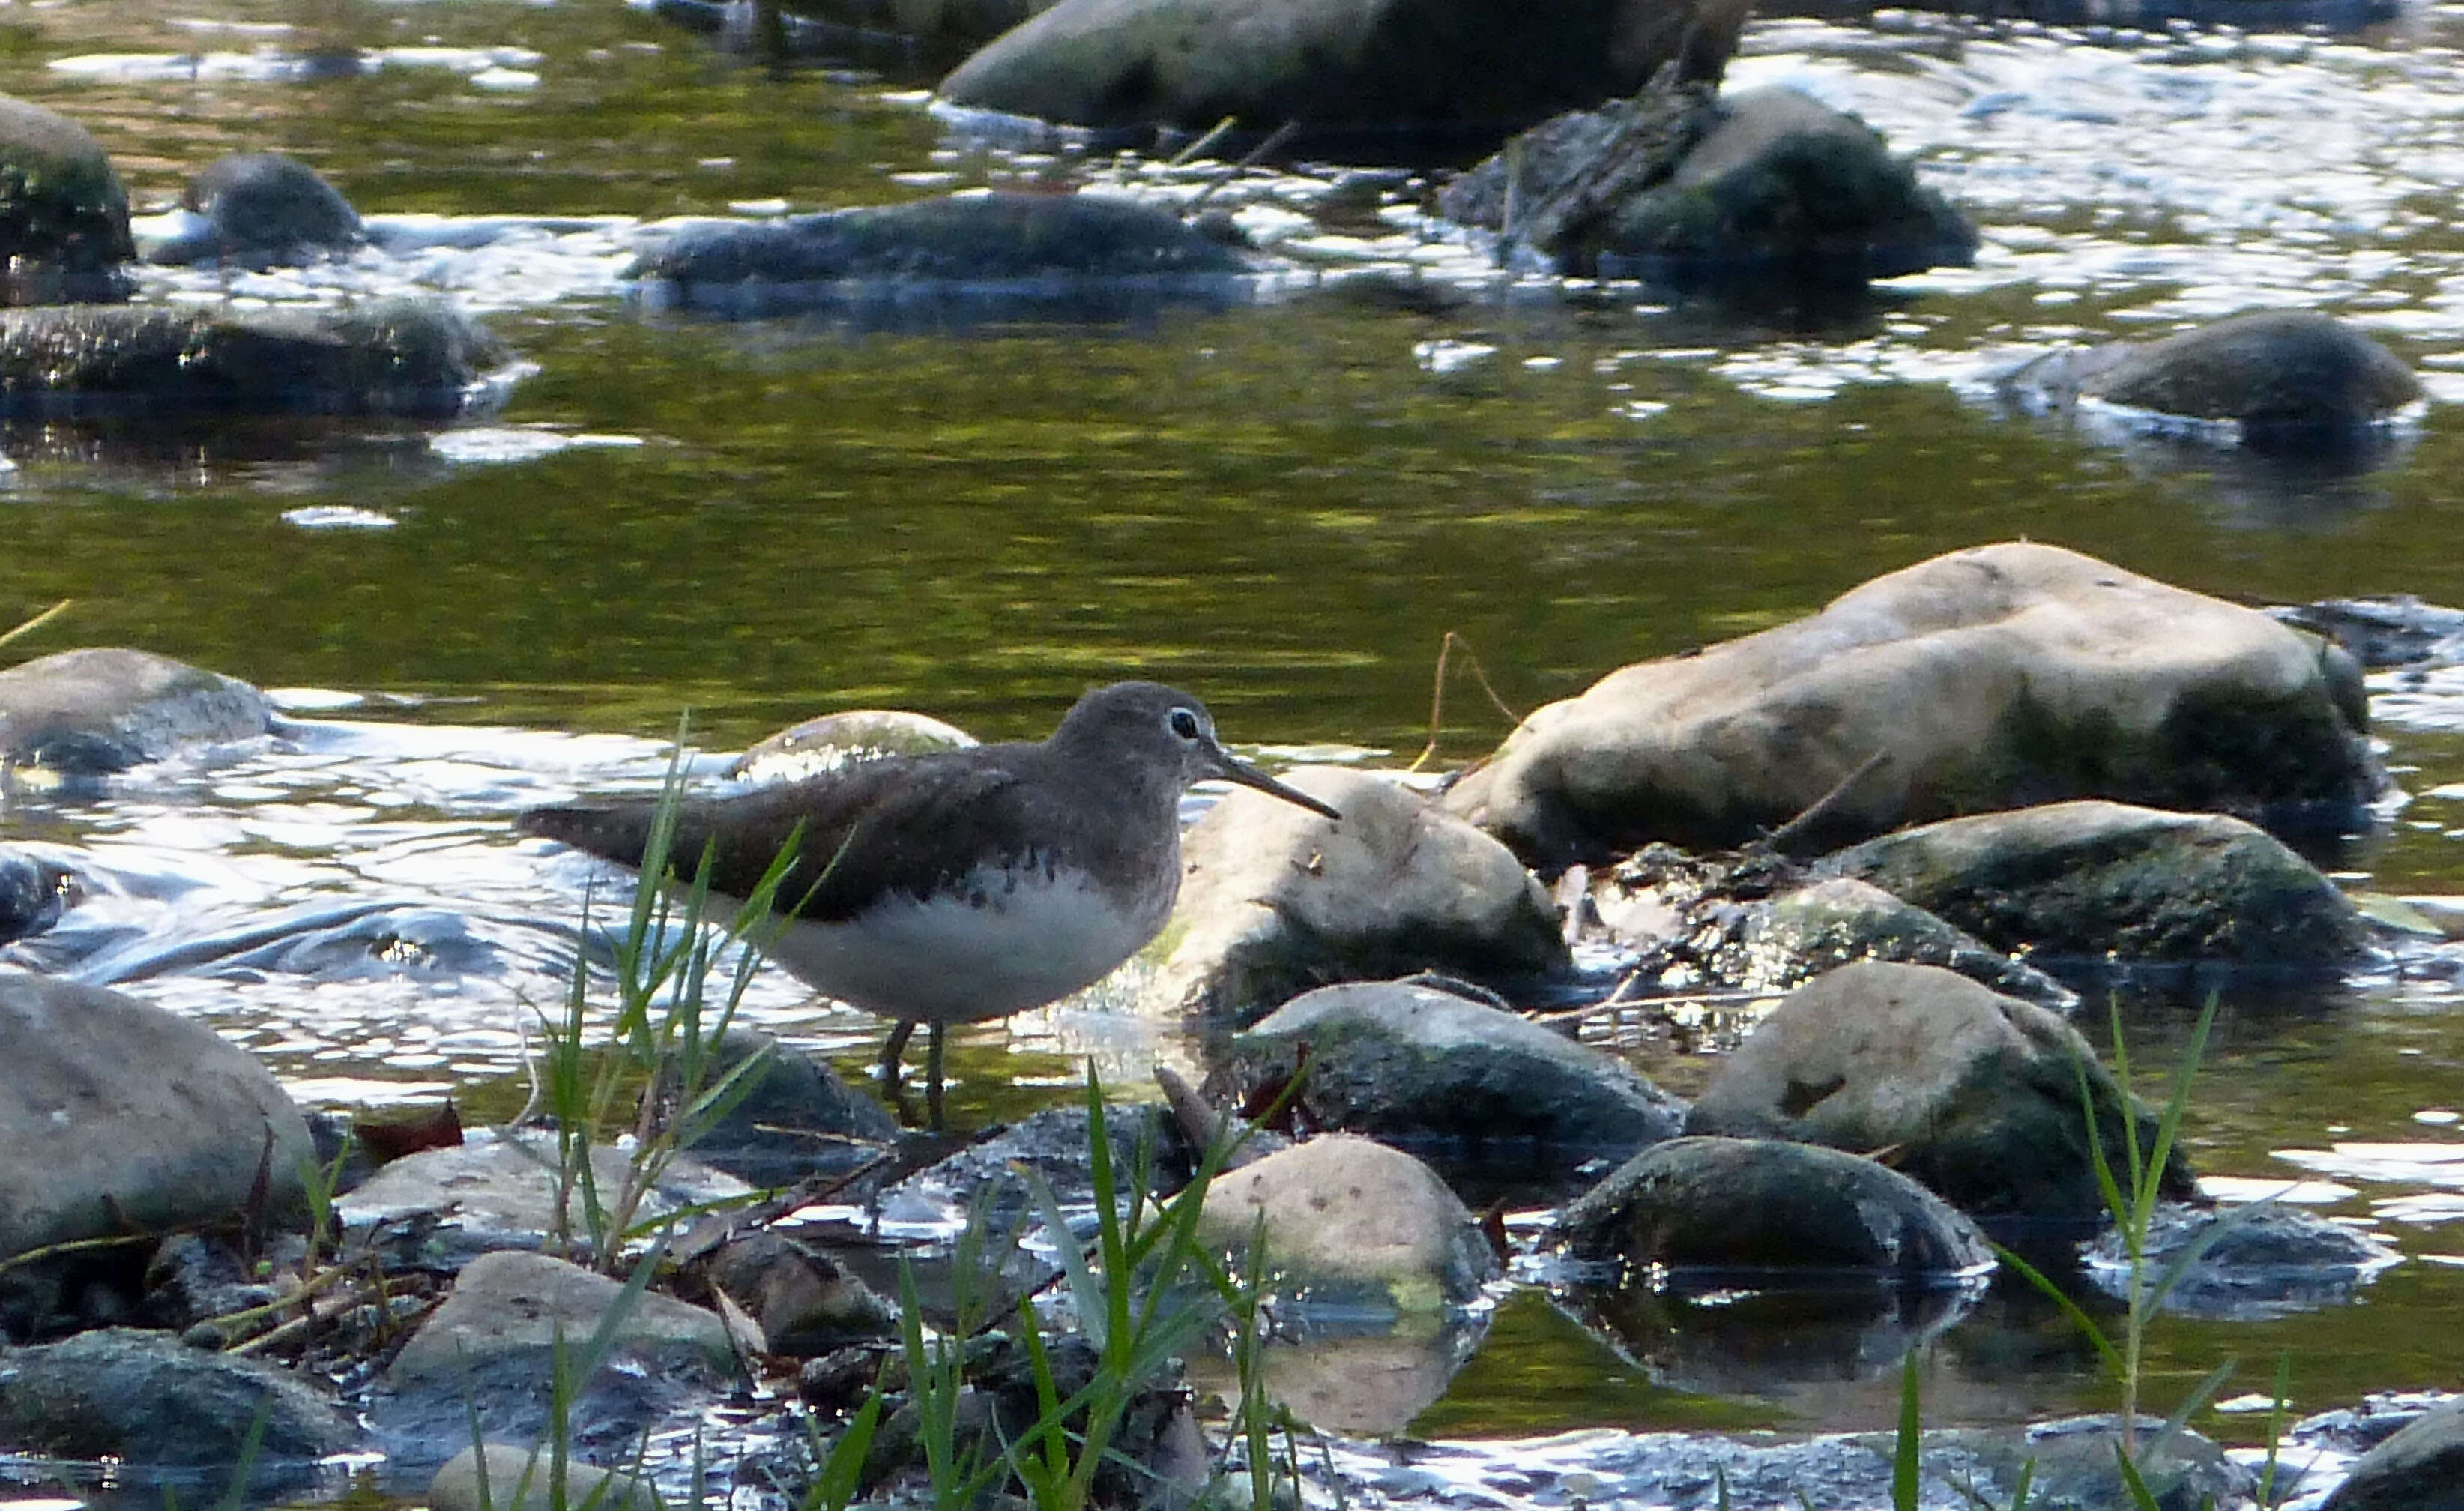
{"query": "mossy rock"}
{"type": "Point", "coordinates": [61, 204]}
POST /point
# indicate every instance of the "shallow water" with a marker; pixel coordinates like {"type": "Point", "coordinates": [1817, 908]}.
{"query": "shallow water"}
{"type": "Point", "coordinates": [1285, 504]}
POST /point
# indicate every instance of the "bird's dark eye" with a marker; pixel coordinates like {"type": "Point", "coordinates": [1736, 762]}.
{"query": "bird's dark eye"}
{"type": "Point", "coordinates": [1182, 722]}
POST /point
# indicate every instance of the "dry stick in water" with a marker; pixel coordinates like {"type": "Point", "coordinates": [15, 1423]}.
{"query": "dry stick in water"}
{"type": "Point", "coordinates": [1438, 696]}
{"type": "Point", "coordinates": [1232, 171]}
{"type": "Point", "coordinates": [38, 621]}
{"type": "Point", "coordinates": [1214, 134]}
{"type": "Point", "coordinates": [1778, 840]}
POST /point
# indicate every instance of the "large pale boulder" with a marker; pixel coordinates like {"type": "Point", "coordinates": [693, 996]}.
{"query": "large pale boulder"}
{"type": "Point", "coordinates": [1975, 1094]}
{"type": "Point", "coordinates": [1277, 900]}
{"type": "Point", "coordinates": [1376, 77]}
{"type": "Point", "coordinates": [117, 1115]}
{"type": "Point", "coordinates": [2111, 881]}
{"type": "Point", "coordinates": [1352, 1223]}
{"type": "Point", "coordinates": [1984, 679]}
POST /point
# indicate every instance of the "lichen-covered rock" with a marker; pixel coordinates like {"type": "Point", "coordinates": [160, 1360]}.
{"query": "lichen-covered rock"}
{"type": "Point", "coordinates": [960, 237]}
{"type": "Point", "coordinates": [2106, 880]}
{"type": "Point", "coordinates": [1412, 1065]}
{"type": "Point", "coordinates": [90, 713]}
{"type": "Point", "coordinates": [1276, 900]}
{"type": "Point", "coordinates": [63, 213]}
{"type": "Point", "coordinates": [1760, 185]}
{"type": "Point", "coordinates": [1352, 1223]}
{"type": "Point", "coordinates": [117, 1115]}
{"type": "Point", "coordinates": [404, 356]}
{"type": "Point", "coordinates": [1757, 923]}
{"type": "Point", "coordinates": [1975, 1094]}
{"type": "Point", "coordinates": [1766, 1204]}
{"type": "Point", "coordinates": [2282, 376]}
{"type": "Point", "coordinates": [260, 210]}
{"type": "Point", "coordinates": [1370, 80]}
{"type": "Point", "coordinates": [151, 1402]}
{"type": "Point", "coordinates": [1982, 679]}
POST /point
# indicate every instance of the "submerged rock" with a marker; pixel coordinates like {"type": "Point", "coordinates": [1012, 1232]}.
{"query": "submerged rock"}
{"type": "Point", "coordinates": [33, 892]}
{"type": "Point", "coordinates": [117, 1115]}
{"type": "Point", "coordinates": [1975, 1094]}
{"type": "Point", "coordinates": [151, 1402]}
{"type": "Point", "coordinates": [2398, 630]}
{"type": "Point", "coordinates": [90, 713]}
{"type": "Point", "coordinates": [407, 356]}
{"type": "Point", "coordinates": [1982, 679]}
{"type": "Point", "coordinates": [2070, 1464]}
{"type": "Point", "coordinates": [1759, 1204]}
{"type": "Point", "coordinates": [2101, 881]}
{"type": "Point", "coordinates": [504, 1477]}
{"type": "Point", "coordinates": [1352, 1224]}
{"type": "Point", "coordinates": [1681, 188]}
{"type": "Point", "coordinates": [2286, 378]}
{"type": "Point", "coordinates": [1276, 900]}
{"type": "Point", "coordinates": [260, 210]}
{"type": "Point", "coordinates": [1411, 1065]}
{"type": "Point", "coordinates": [962, 238]}
{"type": "Point", "coordinates": [2266, 1262]}
{"type": "Point", "coordinates": [906, 37]}
{"type": "Point", "coordinates": [1367, 81]}
{"type": "Point", "coordinates": [64, 212]}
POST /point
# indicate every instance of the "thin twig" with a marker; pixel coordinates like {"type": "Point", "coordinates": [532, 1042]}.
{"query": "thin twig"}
{"type": "Point", "coordinates": [1232, 171]}
{"type": "Point", "coordinates": [1778, 840]}
{"type": "Point", "coordinates": [1214, 134]}
{"type": "Point", "coordinates": [1688, 999]}
{"type": "Point", "coordinates": [1438, 695]}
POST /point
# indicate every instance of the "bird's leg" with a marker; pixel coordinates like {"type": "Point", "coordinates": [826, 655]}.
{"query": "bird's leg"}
{"type": "Point", "coordinates": [932, 1074]}
{"type": "Point", "coordinates": [892, 1048]}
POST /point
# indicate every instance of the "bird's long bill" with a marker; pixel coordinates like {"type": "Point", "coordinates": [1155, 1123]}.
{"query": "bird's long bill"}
{"type": "Point", "coordinates": [1235, 770]}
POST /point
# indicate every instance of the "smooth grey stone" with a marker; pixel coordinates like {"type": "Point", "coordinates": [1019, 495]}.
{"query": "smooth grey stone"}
{"type": "Point", "coordinates": [1411, 1064]}
{"type": "Point", "coordinates": [116, 1114]}
{"type": "Point", "coordinates": [1350, 1223]}
{"type": "Point", "coordinates": [524, 1479]}
{"type": "Point", "coordinates": [1764, 1203]}
{"type": "Point", "coordinates": [102, 709]}
{"type": "Point", "coordinates": [62, 207]}
{"type": "Point", "coordinates": [262, 210]}
{"type": "Point", "coordinates": [2269, 1262]}
{"type": "Point", "coordinates": [2277, 372]}
{"type": "Point", "coordinates": [152, 1402]}
{"type": "Point", "coordinates": [1275, 900]}
{"type": "Point", "coordinates": [1976, 1094]}
{"type": "Point", "coordinates": [2420, 1468]}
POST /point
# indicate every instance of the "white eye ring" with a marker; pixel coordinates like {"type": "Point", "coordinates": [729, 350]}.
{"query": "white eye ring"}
{"type": "Point", "coordinates": [1182, 722]}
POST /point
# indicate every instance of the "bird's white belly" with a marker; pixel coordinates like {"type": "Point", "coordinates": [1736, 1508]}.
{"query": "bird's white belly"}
{"type": "Point", "coordinates": [983, 951]}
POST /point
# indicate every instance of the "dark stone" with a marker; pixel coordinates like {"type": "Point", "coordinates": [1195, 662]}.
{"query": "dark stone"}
{"type": "Point", "coordinates": [962, 238]}
{"type": "Point", "coordinates": [1976, 1094]}
{"type": "Point", "coordinates": [1364, 80]}
{"type": "Point", "coordinates": [2099, 881]}
{"type": "Point", "coordinates": [804, 1301]}
{"type": "Point", "coordinates": [263, 209]}
{"type": "Point", "coordinates": [152, 1402]}
{"type": "Point", "coordinates": [1764, 1203]}
{"type": "Point", "coordinates": [2421, 1468]}
{"type": "Point", "coordinates": [33, 892]}
{"type": "Point", "coordinates": [64, 212]}
{"type": "Point", "coordinates": [1412, 1065]}
{"type": "Point", "coordinates": [392, 357]}
{"type": "Point", "coordinates": [1679, 188]}
{"type": "Point", "coordinates": [2070, 1464]}
{"type": "Point", "coordinates": [2399, 630]}
{"type": "Point", "coordinates": [90, 713]}
{"type": "Point", "coordinates": [798, 1119]}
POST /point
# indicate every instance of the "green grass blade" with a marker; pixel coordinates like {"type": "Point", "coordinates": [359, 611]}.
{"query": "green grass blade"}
{"type": "Point", "coordinates": [1908, 1446]}
{"type": "Point", "coordinates": [2080, 1320]}
{"type": "Point", "coordinates": [2134, 1485]}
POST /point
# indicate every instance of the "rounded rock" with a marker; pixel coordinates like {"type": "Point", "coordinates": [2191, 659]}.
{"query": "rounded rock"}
{"type": "Point", "coordinates": [1352, 1223]}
